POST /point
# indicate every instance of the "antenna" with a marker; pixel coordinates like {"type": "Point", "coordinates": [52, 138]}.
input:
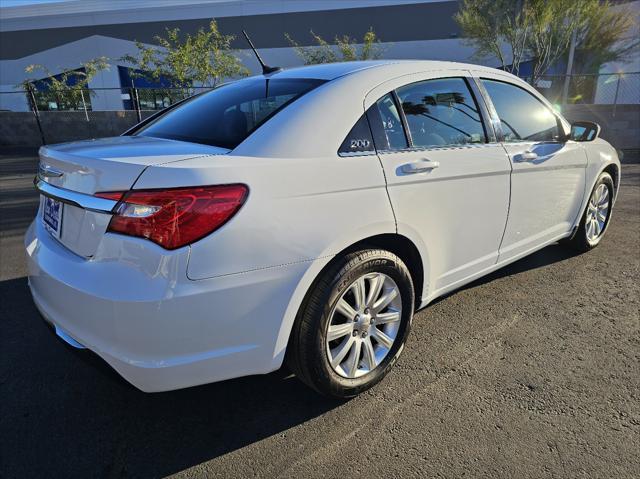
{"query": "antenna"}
{"type": "Point", "coordinates": [266, 69]}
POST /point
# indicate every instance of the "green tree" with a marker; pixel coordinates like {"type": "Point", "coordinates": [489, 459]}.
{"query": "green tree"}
{"type": "Point", "coordinates": [205, 58]}
{"type": "Point", "coordinates": [496, 28]}
{"type": "Point", "coordinates": [606, 35]}
{"type": "Point", "coordinates": [66, 89]}
{"type": "Point", "coordinates": [553, 22]}
{"type": "Point", "coordinates": [345, 49]}
{"type": "Point", "coordinates": [541, 31]}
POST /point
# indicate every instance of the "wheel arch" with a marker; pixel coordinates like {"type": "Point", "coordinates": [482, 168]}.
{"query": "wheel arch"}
{"type": "Point", "coordinates": [395, 243]}
{"type": "Point", "coordinates": [614, 171]}
{"type": "Point", "coordinates": [402, 247]}
{"type": "Point", "coordinates": [601, 158]}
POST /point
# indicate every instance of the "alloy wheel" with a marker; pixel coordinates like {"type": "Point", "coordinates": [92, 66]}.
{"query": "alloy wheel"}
{"type": "Point", "coordinates": [597, 212]}
{"type": "Point", "coordinates": [363, 325]}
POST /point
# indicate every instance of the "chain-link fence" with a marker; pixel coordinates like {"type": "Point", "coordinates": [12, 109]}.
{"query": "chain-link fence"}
{"type": "Point", "coordinates": [597, 89]}
{"type": "Point", "coordinates": [94, 99]}
{"type": "Point", "coordinates": [34, 117]}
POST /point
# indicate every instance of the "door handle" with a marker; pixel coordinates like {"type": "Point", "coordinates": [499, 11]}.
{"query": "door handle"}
{"type": "Point", "coordinates": [419, 166]}
{"type": "Point", "coordinates": [526, 156]}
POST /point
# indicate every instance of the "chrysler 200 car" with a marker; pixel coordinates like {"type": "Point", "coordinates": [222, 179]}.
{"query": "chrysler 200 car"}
{"type": "Point", "coordinates": [303, 216]}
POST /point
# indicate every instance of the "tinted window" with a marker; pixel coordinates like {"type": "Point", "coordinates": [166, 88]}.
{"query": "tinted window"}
{"type": "Point", "coordinates": [441, 112]}
{"type": "Point", "coordinates": [522, 116]}
{"type": "Point", "coordinates": [227, 115]}
{"type": "Point", "coordinates": [359, 139]}
{"type": "Point", "coordinates": [388, 132]}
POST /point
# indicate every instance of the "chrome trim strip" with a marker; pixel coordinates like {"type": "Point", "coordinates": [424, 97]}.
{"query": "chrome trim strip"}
{"type": "Point", "coordinates": [87, 202]}
{"type": "Point", "coordinates": [348, 154]}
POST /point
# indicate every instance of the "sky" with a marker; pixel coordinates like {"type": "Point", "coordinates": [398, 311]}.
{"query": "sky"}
{"type": "Point", "coordinates": [17, 3]}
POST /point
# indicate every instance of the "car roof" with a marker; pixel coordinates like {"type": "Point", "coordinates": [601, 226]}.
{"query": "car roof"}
{"type": "Point", "coordinates": [331, 71]}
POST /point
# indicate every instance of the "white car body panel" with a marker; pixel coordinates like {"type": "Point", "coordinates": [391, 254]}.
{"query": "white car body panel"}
{"type": "Point", "coordinates": [460, 228]}
{"type": "Point", "coordinates": [224, 306]}
{"type": "Point", "coordinates": [165, 334]}
{"type": "Point", "coordinates": [546, 194]}
{"type": "Point", "coordinates": [600, 155]}
{"type": "Point", "coordinates": [110, 164]}
{"type": "Point", "coordinates": [83, 229]}
{"type": "Point", "coordinates": [347, 200]}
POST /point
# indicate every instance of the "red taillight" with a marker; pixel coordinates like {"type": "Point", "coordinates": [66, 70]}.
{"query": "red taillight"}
{"type": "Point", "coordinates": [175, 217]}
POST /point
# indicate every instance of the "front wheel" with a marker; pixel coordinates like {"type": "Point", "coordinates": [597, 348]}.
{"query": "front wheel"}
{"type": "Point", "coordinates": [595, 219]}
{"type": "Point", "coordinates": [353, 325]}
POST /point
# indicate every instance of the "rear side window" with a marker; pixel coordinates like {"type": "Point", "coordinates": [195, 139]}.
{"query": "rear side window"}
{"type": "Point", "coordinates": [522, 116]}
{"type": "Point", "coordinates": [441, 112]}
{"type": "Point", "coordinates": [386, 125]}
{"type": "Point", "coordinates": [359, 140]}
{"type": "Point", "coordinates": [227, 115]}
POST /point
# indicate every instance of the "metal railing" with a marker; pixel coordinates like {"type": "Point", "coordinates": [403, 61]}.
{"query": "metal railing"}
{"type": "Point", "coordinates": [603, 88]}
{"type": "Point", "coordinates": [85, 113]}
{"type": "Point", "coordinates": [591, 89]}
{"type": "Point", "coordinates": [79, 113]}
{"type": "Point", "coordinates": [94, 99]}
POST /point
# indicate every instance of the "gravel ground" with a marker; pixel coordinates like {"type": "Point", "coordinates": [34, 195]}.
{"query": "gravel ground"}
{"type": "Point", "coordinates": [533, 371]}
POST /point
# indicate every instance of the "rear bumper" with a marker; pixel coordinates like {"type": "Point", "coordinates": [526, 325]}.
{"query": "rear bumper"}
{"type": "Point", "coordinates": [134, 306]}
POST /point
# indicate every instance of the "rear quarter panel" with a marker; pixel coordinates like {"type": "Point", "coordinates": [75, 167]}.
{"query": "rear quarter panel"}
{"type": "Point", "coordinates": [297, 209]}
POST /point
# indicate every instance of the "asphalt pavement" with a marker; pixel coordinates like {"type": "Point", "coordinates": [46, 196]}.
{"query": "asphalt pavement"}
{"type": "Point", "coordinates": [533, 371]}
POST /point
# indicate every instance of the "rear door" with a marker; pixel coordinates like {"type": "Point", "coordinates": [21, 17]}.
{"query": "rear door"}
{"type": "Point", "coordinates": [548, 179]}
{"type": "Point", "coordinates": [448, 179]}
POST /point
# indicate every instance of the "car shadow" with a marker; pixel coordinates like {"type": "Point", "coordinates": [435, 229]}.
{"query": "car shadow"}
{"type": "Point", "coordinates": [551, 254]}
{"type": "Point", "coordinates": [66, 413]}
{"type": "Point", "coordinates": [546, 256]}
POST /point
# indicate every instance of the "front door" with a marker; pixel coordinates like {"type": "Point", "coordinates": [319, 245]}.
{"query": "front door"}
{"type": "Point", "coordinates": [548, 179]}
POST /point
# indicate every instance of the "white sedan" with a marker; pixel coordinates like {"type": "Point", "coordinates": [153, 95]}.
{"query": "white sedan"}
{"type": "Point", "coordinates": [303, 216]}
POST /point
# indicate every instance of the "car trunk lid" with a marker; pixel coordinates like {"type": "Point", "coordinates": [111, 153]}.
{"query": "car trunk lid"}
{"type": "Point", "coordinates": [82, 169]}
{"type": "Point", "coordinates": [112, 164]}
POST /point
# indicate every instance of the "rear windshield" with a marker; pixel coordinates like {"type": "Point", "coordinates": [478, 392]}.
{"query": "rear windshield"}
{"type": "Point", "coordinates": [225, 116]}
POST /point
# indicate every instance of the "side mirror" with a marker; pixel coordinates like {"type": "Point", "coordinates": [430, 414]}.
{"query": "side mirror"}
{"type": "Point", "coordinates": [584, 131]}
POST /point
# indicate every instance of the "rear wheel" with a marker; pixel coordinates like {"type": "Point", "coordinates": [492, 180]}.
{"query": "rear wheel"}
{"type": "Point", "coordinates": [595, 219]}
{"type": "Point", "coordinates": [353, 325]}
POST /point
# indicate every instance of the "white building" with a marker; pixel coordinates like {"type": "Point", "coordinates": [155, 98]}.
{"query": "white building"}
{"type": "Point", "coordinates": [61, 35]}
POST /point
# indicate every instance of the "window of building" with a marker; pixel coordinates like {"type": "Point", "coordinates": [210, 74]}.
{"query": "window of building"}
{"type": "Point", "coordinates": [522, 116]}
{"type": "Point", "coordinates": [441, 112]}
{"type": "Point", "coordinates": [152, 93]}
{"type": "Point", "coordinates": [48, 99]}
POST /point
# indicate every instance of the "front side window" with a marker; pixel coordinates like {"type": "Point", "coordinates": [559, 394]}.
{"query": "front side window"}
{"type": "Point", "coordinates": [441, 112]}
{"type": "Point", "coordinates": [522, 116]}
{"type": "Point", "coordinates": [227, 115]}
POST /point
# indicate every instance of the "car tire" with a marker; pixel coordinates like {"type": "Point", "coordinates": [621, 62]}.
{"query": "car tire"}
{"type": "Point", "coordinates": [595, 219]}
{"type": "Point", "coordinates": [315, 357]}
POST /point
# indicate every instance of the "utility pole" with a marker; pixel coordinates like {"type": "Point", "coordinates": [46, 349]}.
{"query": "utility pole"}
{"type": "Point", "coordinates": [567, 78]}
{"type": "Point", "coordinates": [34, 108]}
